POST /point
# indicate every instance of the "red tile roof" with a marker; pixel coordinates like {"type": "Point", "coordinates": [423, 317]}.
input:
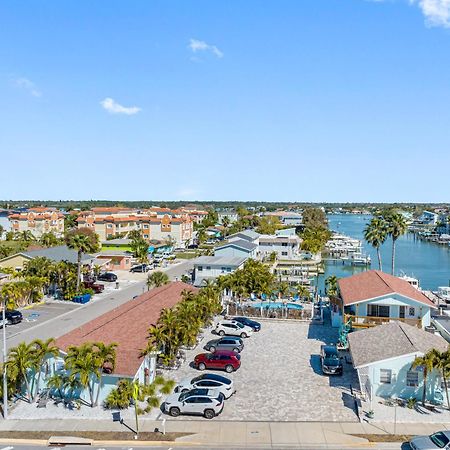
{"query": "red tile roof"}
{"type": "Point", "coordinates": [374, 283]}
{"type": "Point", "coordinates": [127, 325]}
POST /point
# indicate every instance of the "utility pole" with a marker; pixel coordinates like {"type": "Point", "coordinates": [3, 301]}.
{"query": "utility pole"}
{"type": "Point", "coordinates": [5, 377]}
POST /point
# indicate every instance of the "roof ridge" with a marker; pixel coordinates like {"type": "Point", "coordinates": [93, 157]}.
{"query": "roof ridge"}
{"type": "Point", "coordinates": [383, 280]}
{"type": "Point", "coordinates": [400, 324]}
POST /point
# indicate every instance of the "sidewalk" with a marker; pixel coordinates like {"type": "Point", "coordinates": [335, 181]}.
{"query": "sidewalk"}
{"type": "Point", "coordinates": [242, 434]}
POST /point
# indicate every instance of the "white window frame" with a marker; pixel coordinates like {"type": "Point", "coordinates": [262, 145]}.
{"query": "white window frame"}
{"type": "Point", "coordinates": [408, 382]}
{"type": "Point", "coordinates": [385, 372]}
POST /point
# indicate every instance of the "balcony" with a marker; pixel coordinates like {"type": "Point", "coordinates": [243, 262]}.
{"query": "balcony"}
{"type": "Point", "coordinates": [370, 321]}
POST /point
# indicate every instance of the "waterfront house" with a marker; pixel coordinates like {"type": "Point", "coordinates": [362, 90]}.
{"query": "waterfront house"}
{"type": "Point", "coordinates": [237, 247]}
{"type": "Point", "coordinates": [374, 297]}
{"type": "Point", "coordinates": [428, 218]}
{"type": "Point", "coordinates": [284, 246]}
{"type": "Point", "coordinates": [127, 326]}
{"type": "Point", "coordinates": [288, 218]}
{"type": "Point", "coordinates": [211, 267]}
{"type": "Point", "coordinates": [383, 358]}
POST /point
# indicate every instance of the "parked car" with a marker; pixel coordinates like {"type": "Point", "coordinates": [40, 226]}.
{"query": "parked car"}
{"type": "Point", "coordinates": [140, 268]}
{"type": "Point", "coordinates": [96, 287]}
{"type": "Point", "coordinates": [12, 316]}
{"type": "Point", "coordinates": [331, 362]}
{"type": "Point", "coordinates": [208, 407]}
{"type": "Point", "coordinates": [192, 246]}
{"type": "Point", "coordinates": [107, 276]}
{"type": "Point", "coordinates": [233, 328]}
{"type": "Point", "coordinates": [222, 360]}
{"type": "Point", "coordinates": [168, 255]}
{"type": "Point", "coordinates": [256, 326]}
{"type": "Point", "coordinates": [210, 381]}
{"type": "Point", "coordinates": [233, 344]}
{"type": "Point", "coordinates": [441, 439]}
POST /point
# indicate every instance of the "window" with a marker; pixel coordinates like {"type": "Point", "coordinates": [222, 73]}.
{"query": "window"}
{"type": "Point", "coordinates": [284, 244]}
{"type": "Point", "coordinates": [377, 310]}
{"type": "Point", "coordinates": [385, 376]}
{"type": "Point", "coordinates": [208, 267]}
{"type": "Point", "coordinates": [411, 311]}
{"type": "Point", "coordinates": [199, 268]}
{"type": "Point", "coordinates": [109, 225]}
{"type": "Point", "coordinates": [228, 269]}
{"type": "Point", "coordinates": [223, 269]}
{"type": "Point", "coordinates": [284, 253]}
{"type": "Point", "coordinates": [412, 378]}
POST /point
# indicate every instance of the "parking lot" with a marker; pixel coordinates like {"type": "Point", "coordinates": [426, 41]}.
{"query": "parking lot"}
{"type": "Point", "coordinates": [280, 378]}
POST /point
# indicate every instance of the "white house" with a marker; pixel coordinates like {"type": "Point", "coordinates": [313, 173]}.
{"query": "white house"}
{"type": "Point", "coordinates": [374, 297]}
{"type": "Point", "coordinates": [429, 218]}
{"type": "Point", "coordinates": [383, 358]}
{"type": "Point", "coordinates": [246, 235]}
{"type": "Point", "coordinates": [211, 267]}
{"type": "Point", "coordinates": [285, 246]}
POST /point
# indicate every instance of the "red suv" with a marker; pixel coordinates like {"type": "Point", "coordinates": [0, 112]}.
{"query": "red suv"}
{"type": "Point", "coordinates": [221, 359]}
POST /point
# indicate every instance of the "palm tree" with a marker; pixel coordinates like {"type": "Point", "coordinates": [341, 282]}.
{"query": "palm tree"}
{"type": "Point", "coordinates": [442, 362]}
{"type": "Point", "coordinates": [428, 362]}
{"type": "Point", "coordinates": [302, 291]}
{"type": "Point", "coordinates": [397, 226]}
{"type": "Point", "coordinates": [331, 285]}
{"type": "Point", "coordinates": [106, 359]}
{"type": "Point", "coordinates": [376, 233]}
{"type": "Point", "coordinates": [48, 239]}
{"type": "Point", "coordinates": [26, 236]}
{"type": "Point", "coordinates": [157, 279]}
{"type": "Point", "coordinates": [22, 359]}
{"type": "Point", "coordinates": [83, 240]}
{"type": "Point", "coordinates": [57, 382]}
{"type": "Point", "coordinates": [43, 350]}
{"type": "Point", "coordinates": [83, 365]}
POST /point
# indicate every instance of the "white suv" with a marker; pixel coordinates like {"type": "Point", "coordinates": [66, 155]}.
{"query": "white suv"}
{"type": "Point", "coordinates": [233, 328]}
{"type": "Point", "coordinates": [209, 405]}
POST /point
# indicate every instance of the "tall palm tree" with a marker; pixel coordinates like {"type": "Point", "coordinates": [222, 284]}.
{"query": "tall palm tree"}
{"type": "Point", "coordinates": [22, 359]}
{"type": "Point", "coordinates": [43, 350]}
{"type": "Point", "coordinates": [442, 362]}
{"type": "Point", "coordinates": [376, 233]}
{"type": "Point", "coordinates": [26, 236]}
{"type": "Point", "coordinates": [48, 239]}
{"type": "Point", "coordinates": [397, 226]}
{"type": "Point", "coordinates": [106, 358]}
{"type": "Point", "coordinates": [428, 362]}
{"type": "Point", "coordinates": [83, 240]}
{"type": "Point", "coordinates": [157, 279]}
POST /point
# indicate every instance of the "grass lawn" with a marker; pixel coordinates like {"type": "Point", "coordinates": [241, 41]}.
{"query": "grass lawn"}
{"type": "Point", "coordinates": [124, 248]}
{"type": "Point", "coordinates": [186, 255]}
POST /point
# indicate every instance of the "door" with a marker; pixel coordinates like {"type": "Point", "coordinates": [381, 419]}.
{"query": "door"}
{"type": "Point", "coordinates": [214, 362]}
{"type": "Point", "coordinates": [402, 312]}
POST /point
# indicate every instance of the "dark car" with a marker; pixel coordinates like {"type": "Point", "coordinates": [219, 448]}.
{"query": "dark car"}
{"type": "Point", "coordinates": [107, 276]}
{"type": "Point", "coordinates": [235, 344]}
{"type": "Point", "coordinates": [250, 323]}
{"type": "Point", "coordinates": [141, 268]}
{"type": "Point", "coordinates": [222, 360]}
{"type": "Point", "coordinates": [331, 362]}
{"type": "Point", "coordinates": [12, 316]}
{"type": "Point", "coordinates": [96, 287]}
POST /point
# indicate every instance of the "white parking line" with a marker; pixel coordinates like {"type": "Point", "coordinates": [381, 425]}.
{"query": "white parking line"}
{"type": "Point", "coordinates": [7, 448]}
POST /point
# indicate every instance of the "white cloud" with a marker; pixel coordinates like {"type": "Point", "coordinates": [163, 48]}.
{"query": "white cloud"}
{"type": "Point", "coordinates": [201, 46]}
{"type": "Point", "coordinates": [436, 12]}
{"type": "Point", "coordinates": [113, 107]}
{"type": "Point", "coordinates": [28, 85]}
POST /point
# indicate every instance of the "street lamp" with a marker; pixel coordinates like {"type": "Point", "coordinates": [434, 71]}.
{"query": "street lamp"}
{"type": "Point", "coordinates": [5, 378]}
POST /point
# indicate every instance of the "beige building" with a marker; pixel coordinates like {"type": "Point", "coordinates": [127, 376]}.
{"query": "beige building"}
{"type": "Point", "coordinates": [39, 221]}
{"type": "Point", "coordinates": [154, 224]}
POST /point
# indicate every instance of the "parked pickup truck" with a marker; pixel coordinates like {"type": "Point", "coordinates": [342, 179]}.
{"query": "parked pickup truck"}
{"type": "Point", "coordinates": [96, 287]}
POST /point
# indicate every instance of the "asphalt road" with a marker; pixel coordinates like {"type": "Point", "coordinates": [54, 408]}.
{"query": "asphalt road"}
{"type": "Point", "coordinates": [58, 318]}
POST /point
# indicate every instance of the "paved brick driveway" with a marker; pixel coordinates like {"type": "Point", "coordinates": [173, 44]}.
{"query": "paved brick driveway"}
{"type": "Point", "coordinates": [280, 377]}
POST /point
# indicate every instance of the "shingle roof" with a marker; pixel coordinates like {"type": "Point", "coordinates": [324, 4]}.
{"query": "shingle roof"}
{"type": "Point", "coordinates": [240, 243]}
{"type": "Point", "coordinates": [374, 283]}
{"type": "Point", "coordinates": [127, 325]}
{"type": "Point", "coordinates": [391, 340]}
{"type": "Point", "coordinates": [219, 260]}
{"type": "Point", "coordinates": [246, 234]}
{"type": "Point", "coordinates": [59, 253]}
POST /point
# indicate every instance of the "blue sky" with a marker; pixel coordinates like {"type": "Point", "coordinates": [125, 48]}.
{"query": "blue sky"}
{"type": "Point", "coordinates": [312, 100]}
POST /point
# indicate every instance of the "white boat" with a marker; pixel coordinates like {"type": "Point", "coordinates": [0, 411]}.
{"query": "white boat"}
{"type": "Point", "coordinates": [443, 293]}
{"type": "Point", "coordinates": [358, 259]}
{"type": "Point", "coordinates": [414, 282]}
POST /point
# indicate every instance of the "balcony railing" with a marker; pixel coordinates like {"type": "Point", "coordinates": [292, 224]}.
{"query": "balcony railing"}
{"type": "Point", "coordinates": [370, 321]}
